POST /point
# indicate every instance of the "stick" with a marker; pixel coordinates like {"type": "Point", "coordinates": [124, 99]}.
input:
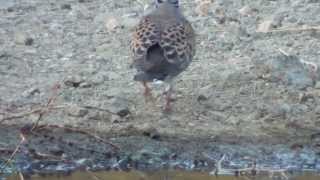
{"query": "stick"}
{"type": "Point", "coordinates": [307, 28]}
{"type": "Point", "coordinates": [5, 164]}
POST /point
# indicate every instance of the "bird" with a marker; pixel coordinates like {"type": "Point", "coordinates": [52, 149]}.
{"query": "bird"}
{"type": "Point", "coordinates": [163, 46]}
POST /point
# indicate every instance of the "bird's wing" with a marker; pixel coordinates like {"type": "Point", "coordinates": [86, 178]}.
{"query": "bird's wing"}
{"type": "Point", "coordinates": [178, 43]}
{"type": "Point", "coordinates": [145, 35]}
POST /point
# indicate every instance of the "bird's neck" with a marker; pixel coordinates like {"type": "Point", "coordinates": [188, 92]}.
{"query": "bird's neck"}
{"type": "Point", "coordinates": [167, 9]}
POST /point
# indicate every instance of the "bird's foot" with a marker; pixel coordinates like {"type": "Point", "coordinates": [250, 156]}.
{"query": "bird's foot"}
{"type": "Point", "coordinates": [148, 97]}
{"type": "Point", "coordinates": [147, 93]}
{"type": "Point", "coordinates": [167, 107]}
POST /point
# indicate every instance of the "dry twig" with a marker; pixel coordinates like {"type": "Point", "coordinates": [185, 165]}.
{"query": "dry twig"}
{"type": "Point", "coordinates": [5, 164]}
{"type": "Point", "coordinates": [304, 28]}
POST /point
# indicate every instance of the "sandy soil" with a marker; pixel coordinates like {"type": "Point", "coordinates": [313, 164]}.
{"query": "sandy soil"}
{"type": "Point", "coordinates": [254, 76]}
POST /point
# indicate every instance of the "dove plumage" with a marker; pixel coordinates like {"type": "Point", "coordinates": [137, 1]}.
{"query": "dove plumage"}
{"type": "Point", "coordinates": [163, 44]}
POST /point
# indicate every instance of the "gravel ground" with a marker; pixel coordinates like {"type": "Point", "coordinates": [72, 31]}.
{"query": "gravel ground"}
{"type": "Point", "coordinates": [255, 75]}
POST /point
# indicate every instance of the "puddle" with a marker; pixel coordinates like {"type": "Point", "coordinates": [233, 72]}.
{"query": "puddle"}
{"type": "Point", "coordinates": [173, 175]}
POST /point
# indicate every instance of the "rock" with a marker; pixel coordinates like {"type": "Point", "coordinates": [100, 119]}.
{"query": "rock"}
{"type": "Point", "coordinates": [265, 26]}
{"type": "Point", "coordinates": [220, 15]}
{"type": "Point", "coordinates": [77, 111]}
{"type": "Point", "coordinates": [247, 11]}
{"type": "Point", "coordinates": [112, 23]}
{"type": "Point", "coordinates": [30, 92]}
{"type": "Point", "coordinates": [204, 93]}
{"type": "Point", "coordinates": [10, 9]}
{"type": "Point", "coordinates": [28, 41]}
{"type": "Point", "coordinates": [20, 38]}
{"type": "Point", "coordinates": [115, 119]}
{"type": "Point", "coordinates": [317, 86]}
{"type": "Point", "coordinates": [149, 131]}
{"type": "Point", "coordinates": [119, 106]}
{"type": "Point", "coordinates": [97, 79]}
{"type": "Point", "coordinates": [203, 7]}
{"type": "Point", "coordinates": [99, 115]}
{"type": "Point", "coordinates": [73, 81]}
{"type": "Point", "coordinates": [85, 85]}
{"type": "Point", "coordinates": [66, 6]}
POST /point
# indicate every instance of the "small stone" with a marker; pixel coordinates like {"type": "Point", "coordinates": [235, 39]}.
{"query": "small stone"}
{"type": "Point", "coordinates": [119, 106]}
{"type": "Point", "coordinates": [247, 11]}
{"type": "Point", "coordinates": [96, 80]}
{"type": "Point", "coordinates": [34, 117]}
{"type": "Point", "coordinates": [112, 23]}
{"type": "Point", "coordinates": [151, 132]}
{"type": "Point", "coordinates": [28, 41]}
{"type": "Point", "coordinates": [220, 16]}
{"type": "Point", "coordinates": [99, 115]}
{"type": "Point", "coordinates": [77, 111]}
{"type": "Point", "coordinates": [203, 7]}
{"type": "Point", "coordinates": [123, 112]}
{"type": "Point", "coordinates": [201, 98]}
{"type": "Point", "coordinates": [114, 119]}
{"type": "Point", "coordinates": [20, 38]}
{"type": "Point", "coordinates": [317, 86]}
{"type": "Point", "coordinates": [66, 6]}
{"type": "Point", "coordinates": [204, 93]}
{"type": "Point", "coordinates": [10, 9]}
{"type": "Point", "coordinates": [30, 92]}
{"type": "Point", "coordinates": [73, 81]}
{"type": "Point", "coordinates": [85, 85]}
{"type": "Point", "coordinates": [265, 26]}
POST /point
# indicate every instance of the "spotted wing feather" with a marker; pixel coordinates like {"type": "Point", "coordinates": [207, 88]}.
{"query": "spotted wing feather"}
{"type": "Point", "coordinates": [145, 35]}
{"type": "Point", "coordinates": [178, 41]}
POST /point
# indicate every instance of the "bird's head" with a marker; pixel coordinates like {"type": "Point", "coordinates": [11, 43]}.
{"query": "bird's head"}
{"type": "Point", "coordinates": [160, 3]}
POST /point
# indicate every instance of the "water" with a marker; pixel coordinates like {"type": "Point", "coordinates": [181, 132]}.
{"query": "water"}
{"type": "Point", "coordinates": [173, 175]}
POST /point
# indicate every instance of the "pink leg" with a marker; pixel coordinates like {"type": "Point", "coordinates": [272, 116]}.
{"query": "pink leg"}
{"type": "Point", "coordinates": [147, 91]}
{"type": "Point", "coordinates": [167, 107]}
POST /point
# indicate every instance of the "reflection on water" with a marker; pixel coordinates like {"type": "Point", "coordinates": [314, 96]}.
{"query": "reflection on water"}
{"type": "Point", "coordinates": [176, 175]}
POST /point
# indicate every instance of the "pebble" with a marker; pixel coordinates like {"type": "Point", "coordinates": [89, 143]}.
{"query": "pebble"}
{"type": "Point", "coordinates": [66, 6]}
{"type": "Point", "coordinates": [119, 106]}
{"type": "Point", "coordinates": [30, 92]}
{"type": "Point", "coordinates": [28, 41]}
{"type": "Point", "coordinates": [77, 111]}
{"type": "Point", "coordinates": [73, 81]}
{"type": "Point", "coordinates": [247, 11]}
{"type": "Point", "coordinates": [265, 26]}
